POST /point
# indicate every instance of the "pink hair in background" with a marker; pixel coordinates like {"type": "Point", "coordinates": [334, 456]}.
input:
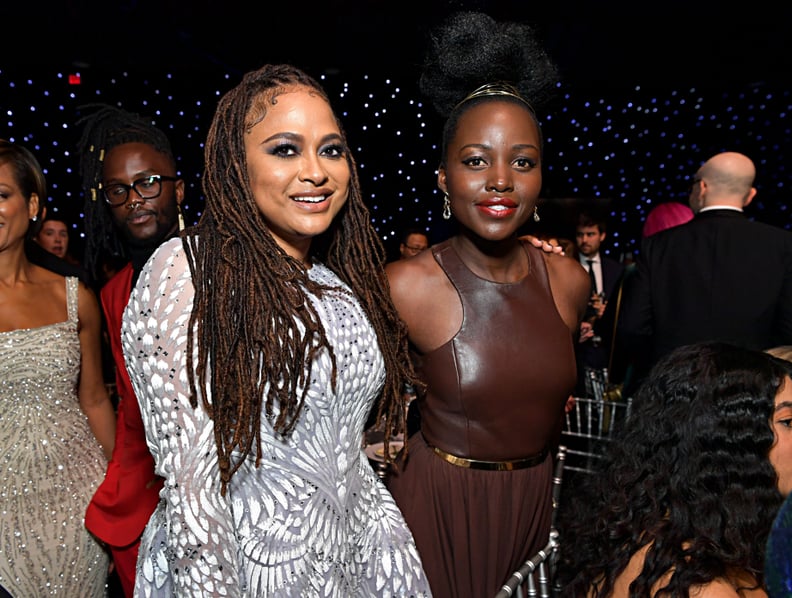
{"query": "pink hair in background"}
{"type": "Point", "coordinates": [666, 215]}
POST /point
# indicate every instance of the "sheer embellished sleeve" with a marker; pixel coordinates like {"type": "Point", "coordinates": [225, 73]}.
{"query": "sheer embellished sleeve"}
{"type": "Point", "coordinates": [189, 546]}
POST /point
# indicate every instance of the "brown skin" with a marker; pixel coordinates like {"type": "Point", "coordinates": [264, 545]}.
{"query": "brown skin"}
{"type": "Point", "coordinates": [31, 297]}
{"type": "Point", "coordinates": [54, 237]}
{"type": "Point", "coordinates": [415, 244]}
{"type": "Point", "coordinates": [494, 158]}
{"type": "Point", "coordinates": [297, 167]}
{"type": "Point", "coordinates": [143, 221]}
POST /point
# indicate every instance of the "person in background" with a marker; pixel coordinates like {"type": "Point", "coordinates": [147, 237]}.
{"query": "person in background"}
{"type": "Point", "coordinates": [37, 254]}
{"type": "Point", "coordinates": [133, 193]}
{"type": "Point", "coordinates": [685, 498]}
{"type": "Point", "coordinates": [475, 486]}
{"type": "Point", "coordinates": [778, 557]}
{"type": "Point", "coordinates": [626, 367]}
{"type": "Point", "coordinates": [413, 242]}
{"type": "Point", "coordinates": [590, 232]}
{"type": "Point", "coordinates": [56, 419]}
{"type": "Point", "coordinates": [54, 237]}
{"type": "Point", "coordinates": [594, 344]}
{"type": "Point", "coordinates": [701, 281]}
{"type": "Point", "coordinates": [257, 343]}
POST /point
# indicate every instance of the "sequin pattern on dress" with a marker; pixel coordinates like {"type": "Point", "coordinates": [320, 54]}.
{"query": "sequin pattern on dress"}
{"type": "Point", "coordinates": [50, 465]}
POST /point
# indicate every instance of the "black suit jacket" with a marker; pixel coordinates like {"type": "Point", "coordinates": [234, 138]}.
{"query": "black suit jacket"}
{"type": "Point", "coordinates": [587, 353]}
{"type": "Point", "coordinates": [720, 276]}
{"type": "Point", "coordinates": [611, 274]}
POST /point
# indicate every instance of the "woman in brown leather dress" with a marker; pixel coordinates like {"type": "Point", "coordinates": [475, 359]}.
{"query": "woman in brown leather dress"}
{"type": "Point", "coordinates": [492, 320]}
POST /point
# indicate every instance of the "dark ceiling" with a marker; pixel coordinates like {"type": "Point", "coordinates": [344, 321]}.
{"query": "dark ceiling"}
{"type": "Point", "coordinates": [594, 43]}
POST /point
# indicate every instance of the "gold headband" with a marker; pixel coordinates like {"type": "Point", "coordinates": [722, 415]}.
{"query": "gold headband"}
{"type": "Point", "coordinates": [496, 89]}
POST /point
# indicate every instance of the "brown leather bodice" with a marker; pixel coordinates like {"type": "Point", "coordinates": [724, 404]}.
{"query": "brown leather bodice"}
{"type": "Point", "coordinates": [496, 390]}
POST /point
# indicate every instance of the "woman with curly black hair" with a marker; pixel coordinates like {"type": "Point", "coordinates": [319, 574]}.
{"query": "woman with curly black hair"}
{"type": "Point", "coordinates": [684, 501]}
{"type": "Point", "coordinates": [491, 319]}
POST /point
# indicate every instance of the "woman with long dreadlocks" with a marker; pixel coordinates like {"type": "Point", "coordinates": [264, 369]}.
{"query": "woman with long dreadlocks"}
{"type": "Point", "coordinates": [132, 204]}
{"type": "Point", "coordinates": [257, 343]}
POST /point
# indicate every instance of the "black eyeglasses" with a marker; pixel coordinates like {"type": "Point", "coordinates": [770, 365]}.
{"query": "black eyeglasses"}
{"type": "Point", "coordinates": [148, 187]}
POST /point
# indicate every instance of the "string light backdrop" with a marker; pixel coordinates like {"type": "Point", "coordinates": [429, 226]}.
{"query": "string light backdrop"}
{"type": "Point", "coordinates": [624, 150]}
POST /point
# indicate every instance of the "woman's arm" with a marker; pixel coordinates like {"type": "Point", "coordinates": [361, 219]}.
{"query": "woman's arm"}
{"type": "Point", "coordinates": [92, 392]}
{"type": "Point", "coordinates": [571, 288]}
{"type": "Point", "coordinates": [199, 547]}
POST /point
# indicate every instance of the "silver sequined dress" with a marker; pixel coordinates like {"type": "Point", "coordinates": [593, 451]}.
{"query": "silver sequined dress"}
{"type": "Point", "coordinates": [314, 519]}
{"type": "Point", "coordinates": [50, 465]}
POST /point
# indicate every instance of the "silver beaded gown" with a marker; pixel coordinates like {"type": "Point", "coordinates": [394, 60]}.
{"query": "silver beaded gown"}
{"type": "Point", "coordinates": [50, 465]}
{"type": "Point", "coordinates": [313, 519]}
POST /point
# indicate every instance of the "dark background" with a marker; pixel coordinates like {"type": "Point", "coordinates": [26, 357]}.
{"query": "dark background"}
{"type": "Point", "coordinates": [649, 92]}
{"type": "Point", "coordinates": [594, 43]}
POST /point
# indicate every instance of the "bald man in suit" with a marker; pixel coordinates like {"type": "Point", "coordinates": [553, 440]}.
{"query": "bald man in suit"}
{"type": "Point", "coordinates": [719, 276]}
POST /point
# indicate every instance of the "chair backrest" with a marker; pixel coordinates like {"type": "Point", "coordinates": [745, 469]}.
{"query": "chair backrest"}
{"type": "Point", "coordinates": [535, 577]}
{"type": "Point", "coordinates": [595, 382]}
{"type": "Point", "coordinates": [588, 427]}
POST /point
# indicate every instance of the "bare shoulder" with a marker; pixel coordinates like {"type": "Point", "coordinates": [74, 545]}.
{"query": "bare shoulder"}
{"type": "Point", "coordinates": [570, 286]}
{"type": "Point", "coordinates": [408, 276]}
{"type": "Point", "coordinates": [567, 274]}
{"type": "Point", "coordinates": [87, 304]}
{"type": "Point", "coordinates": [86, 294]}
{"type": "Point", "coordinates": [425, 300]}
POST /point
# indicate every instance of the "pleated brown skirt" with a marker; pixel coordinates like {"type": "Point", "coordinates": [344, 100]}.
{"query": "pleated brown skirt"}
{"type": "Point", "coordinates": [472, 527]}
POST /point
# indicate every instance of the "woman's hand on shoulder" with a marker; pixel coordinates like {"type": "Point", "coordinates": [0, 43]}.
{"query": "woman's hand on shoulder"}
{"type": "Point", "coordinates": [543, 244]}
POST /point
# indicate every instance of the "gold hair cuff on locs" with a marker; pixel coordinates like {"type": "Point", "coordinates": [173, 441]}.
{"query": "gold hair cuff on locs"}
{"type": "Point", "coordinates": [496, 89]}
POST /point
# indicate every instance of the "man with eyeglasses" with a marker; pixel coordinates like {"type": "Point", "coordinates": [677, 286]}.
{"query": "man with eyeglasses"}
{"type": "Point", "coordinates": [413, 242]}
{"type": "Point", "coordinates": [720, 276]}
{"type": "Point", "coordinates": [132, 196]}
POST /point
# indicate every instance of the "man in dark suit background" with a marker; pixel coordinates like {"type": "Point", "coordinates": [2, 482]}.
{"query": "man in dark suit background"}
{"type": "Point", "coordinates": [593, 348]}
{"type": "Point", "coordinates": [720, 276]}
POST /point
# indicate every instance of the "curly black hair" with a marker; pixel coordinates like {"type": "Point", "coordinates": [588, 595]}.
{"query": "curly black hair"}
{"type": "Point", "coordinates": [471, 49]}
{"type": "Point", "coordinates": [689, 475]}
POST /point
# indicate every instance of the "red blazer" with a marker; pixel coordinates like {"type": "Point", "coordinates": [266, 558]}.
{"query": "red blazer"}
{"type": "Point", "coordinates": [123, 503]}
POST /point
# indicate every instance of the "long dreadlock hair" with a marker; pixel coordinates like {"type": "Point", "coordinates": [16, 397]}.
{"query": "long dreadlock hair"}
{"type": "Point", "coordinates": [103, 129]}
{"type": "Point", "coordinates": [253, 321]}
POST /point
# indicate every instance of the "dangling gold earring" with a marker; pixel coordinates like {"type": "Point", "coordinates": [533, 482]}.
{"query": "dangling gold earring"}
{"type": "Point", "coordinates": [536, 215]}
{"type": "Point", "coordinates": [181, 217]}
{"type": "Point", "coordinates": [446, 207]}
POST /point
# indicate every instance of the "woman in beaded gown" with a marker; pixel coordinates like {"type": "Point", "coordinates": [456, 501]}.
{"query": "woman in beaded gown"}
{"type": "Point", "coordinates": [56, 419]}
{"type": "Point", "coordinates": [492, 320]}
{"type": "Point", "coordinates": [257, 343]}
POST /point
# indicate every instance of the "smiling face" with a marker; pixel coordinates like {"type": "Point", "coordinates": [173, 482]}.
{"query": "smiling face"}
{"type": "Point", "coordinates": [54, 237]}
{"type": "Point", "coordinates": [297, 167]}
{"type": "Point", "coordinates": [143, 222]}
{"type": "Point", "coordinates": [492, 173]}
{"type": "Point", "coordinates": [15, 210]}
{"type": "Point", "coordinates": [781, 452]}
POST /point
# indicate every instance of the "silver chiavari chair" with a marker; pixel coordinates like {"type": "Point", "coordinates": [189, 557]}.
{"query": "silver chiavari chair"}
{"type": "Point", "coordinates": [588, 427]}
{"type": "Point", "coordinates": [535, 577]}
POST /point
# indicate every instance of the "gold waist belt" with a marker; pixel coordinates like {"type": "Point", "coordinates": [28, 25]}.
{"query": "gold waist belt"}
{"type": "Point", "coordinates": [491, 465]}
